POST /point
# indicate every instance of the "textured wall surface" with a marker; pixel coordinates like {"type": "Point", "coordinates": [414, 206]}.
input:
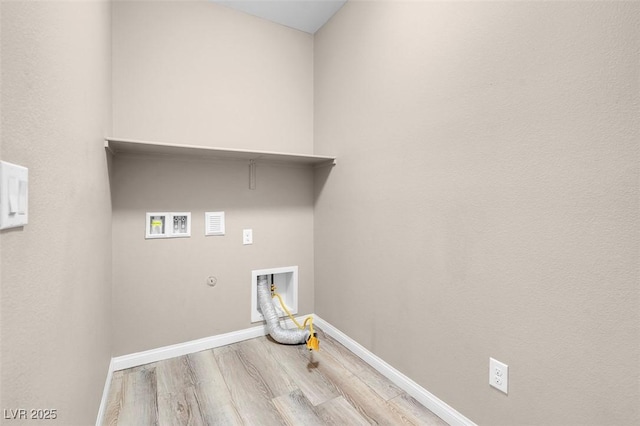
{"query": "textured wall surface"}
{"type": "Point", "coordinates": [159, 285]}
{"type": "Point", "coordinates": [197, 72]}
{"type": "Point", "coordinates": [56, 271]}
{"type": "Point", "coordinates": [0, 234]}
{"type": "Point", "coordinates": [486, 200]}
{"type": "Point", "coordinates": [485, 203]}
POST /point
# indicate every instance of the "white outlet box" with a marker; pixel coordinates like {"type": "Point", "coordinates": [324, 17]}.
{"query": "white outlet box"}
{"type": "Point", "coordinates": [499, 375]}
{"type": "Point", "coordinates": [167, 225]}
{"type": "Point", "coordinates": [286, 281]}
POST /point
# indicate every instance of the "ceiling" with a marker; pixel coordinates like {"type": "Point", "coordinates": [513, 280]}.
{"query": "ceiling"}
{"type": "Point", "coordinates": [304, 15]}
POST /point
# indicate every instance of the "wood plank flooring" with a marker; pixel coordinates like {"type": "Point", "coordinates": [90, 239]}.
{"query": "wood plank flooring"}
{"type": "Point", "coordinates": [260, 382]}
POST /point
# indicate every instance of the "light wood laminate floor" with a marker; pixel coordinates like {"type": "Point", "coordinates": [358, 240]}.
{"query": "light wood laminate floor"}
{"type": "Point", "coordinates": [260, 382]}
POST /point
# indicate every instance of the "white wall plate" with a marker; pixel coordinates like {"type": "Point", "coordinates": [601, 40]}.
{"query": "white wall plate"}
{"type": "Point", "coordinates": [214, 223]}
{"type": "Point", "coordinates": [167, 225]}
{"type": "Point", "coordinates": [14, 195]}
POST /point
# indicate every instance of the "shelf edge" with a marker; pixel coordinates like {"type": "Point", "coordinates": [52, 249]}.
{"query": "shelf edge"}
{"type": "Point", "coordinates": [117, 145]}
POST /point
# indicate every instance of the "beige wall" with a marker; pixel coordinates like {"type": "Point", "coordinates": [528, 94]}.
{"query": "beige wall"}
{"type": "Point", "coordinates": [1, 350]}
{"type": "Point", "coordinates": [196, 72]}
{"type": "Point", "coordinates": [159, 286]}
{"type": "Point", "coordinates": [486, 201]}
{"type": "Point", "coordinates": [488, 169]}
{"type": "Point", "coordinates": [56, 271]}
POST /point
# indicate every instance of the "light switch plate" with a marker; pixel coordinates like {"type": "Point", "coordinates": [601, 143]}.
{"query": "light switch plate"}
{"type": "Point", "coordinates": [14, 195]}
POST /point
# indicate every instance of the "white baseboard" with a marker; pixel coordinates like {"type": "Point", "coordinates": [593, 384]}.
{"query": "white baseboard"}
{"type": "Point", "coordinates": [426, 398]}
{"type": "Point", "coordinates": [140, 358]}
{"type": "Point", "coordinates": [105, 395]}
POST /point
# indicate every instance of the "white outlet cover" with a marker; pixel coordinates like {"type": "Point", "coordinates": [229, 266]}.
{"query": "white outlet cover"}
{"type": "Point", "coordinates": [247, 236]}
{"type": "Point", "coordinates": [499, 375]}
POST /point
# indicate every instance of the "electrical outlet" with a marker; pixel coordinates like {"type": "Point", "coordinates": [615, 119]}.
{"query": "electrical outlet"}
{"type": "Point", "coordinates": [247, 236]}
{"type": "Point", "coordinates": [499, 375]}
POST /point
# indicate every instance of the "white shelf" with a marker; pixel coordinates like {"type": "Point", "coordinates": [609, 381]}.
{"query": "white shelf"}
{"type": "Point", "coordinates": [128, 146]}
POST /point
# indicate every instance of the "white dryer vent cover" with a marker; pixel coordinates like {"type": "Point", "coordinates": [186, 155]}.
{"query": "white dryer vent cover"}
{"type": "Point", "coordinates": [214, 223]}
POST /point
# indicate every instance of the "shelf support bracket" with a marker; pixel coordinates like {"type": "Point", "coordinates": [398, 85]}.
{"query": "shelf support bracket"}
{"type": "Point", "coordinates": [252, 174]}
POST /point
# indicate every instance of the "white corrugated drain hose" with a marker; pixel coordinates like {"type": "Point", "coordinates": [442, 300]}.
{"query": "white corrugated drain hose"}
{"type": "Point", "coordinates": [292, 336]}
